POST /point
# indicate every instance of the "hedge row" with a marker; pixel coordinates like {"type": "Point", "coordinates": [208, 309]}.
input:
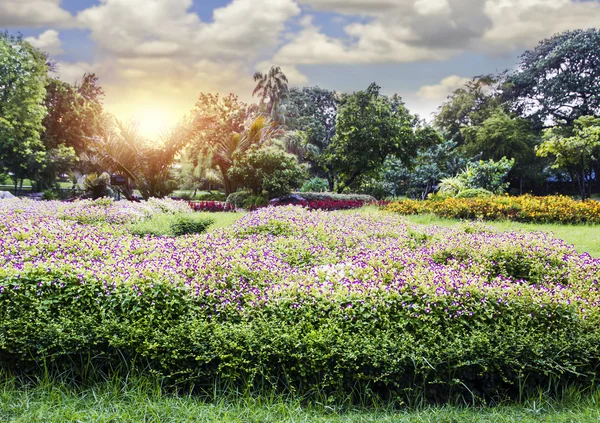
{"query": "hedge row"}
{"type": "Point", "coordinates": [527, 208]}
{"type": "Point", "coordinates": [303, 301]}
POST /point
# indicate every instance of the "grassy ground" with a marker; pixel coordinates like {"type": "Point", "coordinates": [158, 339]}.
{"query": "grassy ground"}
{"type": "Point", "coordinates": [585, 238]}
{"type": "Point", "coordinates": [139, 401]}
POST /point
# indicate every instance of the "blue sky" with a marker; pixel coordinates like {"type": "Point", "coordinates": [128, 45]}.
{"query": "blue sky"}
{"type": "Point", "coordinates": [154, 57]}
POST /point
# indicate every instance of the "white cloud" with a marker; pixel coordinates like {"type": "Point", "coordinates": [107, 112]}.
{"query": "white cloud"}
{"type": "Point", "coordinates": [166, 28]}
{"type": "Point", "coordinates": [401, 31]}
{"type": "Point", "coordinates": [367, 43]}
{"type": "Point", "coordinates": [33, 13]}
{"type": "Point", "coordinates": [521, 24]}
{"type": "Point", "coordinates": [443, 89]}
{"type": "Point", "coordinates": [72, 72]}
{"type": "Point", "coordinates": [48, 42]}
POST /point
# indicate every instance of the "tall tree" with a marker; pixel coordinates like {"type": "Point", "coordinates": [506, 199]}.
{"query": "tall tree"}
{"type": "Point", "coordinates": [316, 111]}
{"type": "Point", "coordinates": [469, 106]}
{"type": "Point", "coordinates": [574, 150]}
{"type": "Point", "coordinates": [74, 116]}
{"type": "Point", "coordinates": [75, 113]}
{"type": "Point", "coordinates": [558, 81]}
{"type": "Point", "coordinates": [370, 127]}
{"type": "Point", "coordinates": [505, 135]}
{"type": "Point", "coordinates": [23, 75]}
{"type": "Point", "coordinates": [273, 92]}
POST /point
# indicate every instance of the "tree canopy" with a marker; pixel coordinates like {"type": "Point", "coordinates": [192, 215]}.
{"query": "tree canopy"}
{"type": "Point", "coordinates": [23, 76]}
{"type": "Point", "coordinates": [557, 82]}
{"type": "Point", "coordinates": [369, 127]}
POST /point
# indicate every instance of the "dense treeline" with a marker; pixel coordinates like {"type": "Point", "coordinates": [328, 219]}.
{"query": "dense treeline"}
{"type": "Point", "coordinates": [533, 130]}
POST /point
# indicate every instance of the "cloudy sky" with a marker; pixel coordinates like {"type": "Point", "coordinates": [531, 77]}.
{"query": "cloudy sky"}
{"type": "Point", "coordinates": [154, 57]}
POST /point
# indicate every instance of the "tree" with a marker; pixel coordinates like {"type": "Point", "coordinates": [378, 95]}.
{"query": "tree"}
{"type": "Point", "coordinates": [505, 135]}
{"type": "Point", "coordinates": [557, 82]}
{"type": "Point", "coordinates": [469, 106]}
{"type": "Point", "coordinates": [273, 92]}
{"type": "Point", "coordinates": [147, 164]}
{"type": "Point", "coordinates": [316, 111]}
{"type": "Point", "coordinates": [75, 113]}
{"type": "Point", "coordinates": [219, 121]}
{"type": "Point", "coordinates": [574, 150]}
{"type": "Point", "coordinates": [267, 169]}
{"type": "Point", "coordinates": [370, 127]}
{"type": "Point", "coordinates": [23, 75]}
{"type": "Point", "coordinates": [74, 116]}
{"type": "Point", "coordinates": [432, 164]}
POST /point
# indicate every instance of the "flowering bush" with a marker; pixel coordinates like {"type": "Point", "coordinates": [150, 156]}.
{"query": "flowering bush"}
{"type": "Point", "coordinates": [526, 208]}
{"type": "Point", "coordinates": [304, 300]}
{"type": "Point", "coordinates": [211, 206]}
{"type": "Point", "coordinates": [102, 210]}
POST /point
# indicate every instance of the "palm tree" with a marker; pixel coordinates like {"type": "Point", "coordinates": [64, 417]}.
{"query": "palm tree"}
{"type": "Point", "coordinates": [147, 165]}
{"type": "Point", "coordinates": [272, 89]}
{"type": "Point", "coordinates": [260, 131]}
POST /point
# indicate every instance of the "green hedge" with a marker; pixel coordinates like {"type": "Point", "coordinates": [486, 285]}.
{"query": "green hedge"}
{"type": "Point", "coordinates": [377, 346]}
{"type": "Point", "coordinates": [320, 196]}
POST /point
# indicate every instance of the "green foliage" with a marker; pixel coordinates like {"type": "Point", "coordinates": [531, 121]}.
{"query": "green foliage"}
{"type": "Point", "coordinates": [123, 150]}
{"type": "Point", "coordinates": [315, 184]}
{"type": "Point", "coordinates": [558, 79]}
{"type": "Point", "coordinates": [468, 106]}
{"type": "Point", "coordinates": [577, 153]}
{"type": "Point", "coordinates": [267, 169]}
{"type": "Point", "coordinates": [452, 186]}
{"type": "Point", "coordinates": [75, 113]}
{"type": "Point", "coordinates": [23, 76]}
{"type": "Point", "coordinates": [474, 193]}
{"type": "Point", "coordinates": [273, 92]}
{"type": "Point", "coordinates": [187, 224]}
{"type": "Point", "coordinates": [369, 128]}
{"type": "Point", "coordinates": [321, 196]}
{"type": "Point", "coordinates": [434, 162]}
{"type": "Point", "coordinates": [238, 198]}
{"type": "Point", "coordinates": [165, 224]}
{"type": "Point", "coordinates": [316, 117]}
{"type": "Point", "coordinates": [97, 186]}
{"type": "Point", "coordinates": [489, 175]}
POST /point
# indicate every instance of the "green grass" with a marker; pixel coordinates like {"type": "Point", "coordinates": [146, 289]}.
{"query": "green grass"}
{"type": "Point", "coordinates": [585, 238]}
{"type": "Point", "coordinates": [162, 224]}
{"type": "Point", "coordinates": [142, 400]}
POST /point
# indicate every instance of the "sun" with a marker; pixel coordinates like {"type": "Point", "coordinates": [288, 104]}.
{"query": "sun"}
{"type": "Point", "coordinates": [153, 121]}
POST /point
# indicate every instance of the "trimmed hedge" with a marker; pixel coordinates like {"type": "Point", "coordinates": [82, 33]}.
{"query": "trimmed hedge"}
{"type": "Point", "coordinates": [324, 196]}
{"type": "Point", "coordinates": [527, 208]}
{"type": "Point", "coordinates": [303, 301]}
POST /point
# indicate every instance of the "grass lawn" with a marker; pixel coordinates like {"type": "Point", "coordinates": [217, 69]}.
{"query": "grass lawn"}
{"type": "Point", "coordinates": [141, 401]}
{"type": "Point", "coordinates": [585, 238]}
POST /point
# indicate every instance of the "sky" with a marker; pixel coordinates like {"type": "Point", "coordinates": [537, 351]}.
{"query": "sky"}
{"type": "Point", "coordinates": [154, 57]}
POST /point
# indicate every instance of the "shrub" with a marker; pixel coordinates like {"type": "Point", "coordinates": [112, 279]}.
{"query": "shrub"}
{"type": "Point", "coordinates": [315, 185]}
{"type": "Point", "coordinates": [267, 169]}
{"type": "Point", "coordinates": [323, 196]}
{"type": "Point", "coordinates": [527, 208]}
{"type": "Point", "coordinates": [237, 198]}
{"type": "Point", "coordinates": [171, 225]}
{"type": "Point", "coordinates": [211, 196]}
{"type": "Point", "coordinates": [474, 193]}
{"type": "Point", "coordinates": [211, 206]}
{"type": "Point", "coordinates": [186, 225]}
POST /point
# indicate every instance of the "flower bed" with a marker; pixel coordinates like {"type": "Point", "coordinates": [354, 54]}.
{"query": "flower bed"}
{"type": "Point", "coordinates": [302, 300]}
{"type": "Point", "coordinates": [527, 208]}
{"type": "Point", "coordinates": [211, 206]}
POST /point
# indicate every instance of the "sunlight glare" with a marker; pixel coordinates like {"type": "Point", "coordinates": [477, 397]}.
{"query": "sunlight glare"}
{"type": "Point", "coordinates": [154, 121]}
